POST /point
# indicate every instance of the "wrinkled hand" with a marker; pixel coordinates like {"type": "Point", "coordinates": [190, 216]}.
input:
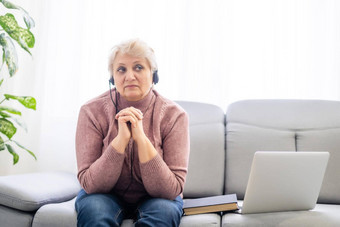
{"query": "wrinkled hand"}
{"type": "Point", "coordinates": [130, 124]}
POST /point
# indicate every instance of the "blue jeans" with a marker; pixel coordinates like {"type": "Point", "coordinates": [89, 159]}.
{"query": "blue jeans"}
{"type": "Point", "coordinates": [110, 210]}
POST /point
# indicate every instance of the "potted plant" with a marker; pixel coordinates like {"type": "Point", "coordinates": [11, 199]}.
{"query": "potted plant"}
{"type": "Point", "coordinates": [10, 33]}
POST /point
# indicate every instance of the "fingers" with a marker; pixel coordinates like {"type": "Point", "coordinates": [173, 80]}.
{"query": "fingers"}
{"type": "Point", "coordinates": [128, 119]}
{"type": "Point", "coordinates": [130, 111]}
{"type": "Point", "coordinates": [124, 131]}
{"type": "Point", "coordinates": [131, 115]}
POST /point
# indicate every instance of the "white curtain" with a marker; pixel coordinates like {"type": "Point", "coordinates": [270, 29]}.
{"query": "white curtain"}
{"type": "Point", "coordinates": [215, 51]}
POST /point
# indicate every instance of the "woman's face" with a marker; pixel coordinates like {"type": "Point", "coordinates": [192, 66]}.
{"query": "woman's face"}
{"type": "Point", "coordinates": [132, 76]}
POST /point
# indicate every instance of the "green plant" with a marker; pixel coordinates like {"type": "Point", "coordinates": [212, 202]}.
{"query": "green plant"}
{"type": "Point", "coordinates": [9, 117]}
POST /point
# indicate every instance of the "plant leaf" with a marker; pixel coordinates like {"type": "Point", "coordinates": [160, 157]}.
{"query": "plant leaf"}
{"type": "Point", "coordinates": [1, 82]}
{"type": "Point", "coordinates": [15, 155]}
{"type": "Point", "coordinates": [9, 54]}
{"type": "Point", "coordinates": [4, 115]}
{"type": "Point", "coordinates": [28, 20]}
{"type": "Point", "coordinates": [2, 144]}
{"type": "Point", "coordinates": [27, 101]}
{"type": "Point", "coordinates": [7, 128]}
{"type": "Point", "coordinates": [30, 152]}
{"type": "Point", "coordinates": [24, 37]}
{"type": "Point", "coordinates": [18, 121]}
{"type": "Point", "coordinates": [9, 5]}
{"type": "Point", "coordinates": [10, 110]}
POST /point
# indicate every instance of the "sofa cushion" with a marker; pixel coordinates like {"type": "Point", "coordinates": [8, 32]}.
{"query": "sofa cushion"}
{"type": "Point", "coordinates": [57, 214]}
{"type": "Point", "coordinates": [286, 114]}
{"type": "Point", "coordinates": [321, 215]}
{"type": "Point", "coordinates": [201, 220]}
{"type": "Point", "coordinates": [28, 192]}
{"type": "Point", "coordinates": [61, 215]}
{"type": "Point", "coordinates": [207, 154]}
{"type": "Point", "coordinates": [13, 217]}
{"type": "Point", "coordinates": [327, 140]}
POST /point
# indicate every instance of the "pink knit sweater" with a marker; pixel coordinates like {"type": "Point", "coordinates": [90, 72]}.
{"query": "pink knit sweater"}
{"type": "Point", "coordinates": [101, 169]}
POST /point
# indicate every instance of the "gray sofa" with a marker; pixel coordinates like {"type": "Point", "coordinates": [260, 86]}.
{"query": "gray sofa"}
{"type": "Point", "coordinates": [222, 148]}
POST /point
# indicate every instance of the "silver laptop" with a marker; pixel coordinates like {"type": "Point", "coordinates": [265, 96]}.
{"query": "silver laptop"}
{"type": "Point", "coordinates": [284, 181]}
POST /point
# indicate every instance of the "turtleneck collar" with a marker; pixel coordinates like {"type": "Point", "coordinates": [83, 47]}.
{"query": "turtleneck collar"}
{"type": "Point", "coordinates": [142, 104]}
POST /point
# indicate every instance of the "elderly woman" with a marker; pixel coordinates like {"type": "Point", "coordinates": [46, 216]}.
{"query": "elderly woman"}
{"type": "Point", "coordinates": [132, 147]}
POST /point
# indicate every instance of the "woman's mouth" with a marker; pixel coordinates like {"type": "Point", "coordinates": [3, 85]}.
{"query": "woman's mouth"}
{"type": "Point", "coordinates": [130, 86]}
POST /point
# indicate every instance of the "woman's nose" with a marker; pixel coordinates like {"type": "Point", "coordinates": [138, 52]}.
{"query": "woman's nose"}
{"type": "Point", "coordinates": [130, 75]}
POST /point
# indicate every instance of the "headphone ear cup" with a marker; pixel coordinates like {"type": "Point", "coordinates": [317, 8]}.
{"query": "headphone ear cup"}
{"type": "Point", "coordinates": [112, 81]}
{"type": "Point", "coordinates": [155, 77]}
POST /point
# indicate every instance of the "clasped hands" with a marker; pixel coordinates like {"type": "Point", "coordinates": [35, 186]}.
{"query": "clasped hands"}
{"type": "Point", "coordinates": [130, 124]}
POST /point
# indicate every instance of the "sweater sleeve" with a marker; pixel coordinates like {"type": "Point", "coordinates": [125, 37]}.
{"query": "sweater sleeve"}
{"type": "Point", "coordinates": [165, 177]}
{"type": "Point", "coordinates": [98, 171]}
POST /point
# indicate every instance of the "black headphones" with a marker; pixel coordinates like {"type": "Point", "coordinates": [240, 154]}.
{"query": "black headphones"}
{"type": "Point", "coordinates": [155, 78]}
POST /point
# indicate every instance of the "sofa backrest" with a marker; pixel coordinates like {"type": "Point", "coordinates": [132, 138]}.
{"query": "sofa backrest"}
{"type": "Point", "coordinates": [207, 150]}
{"type": "Point", "coordinates": [282, 125]}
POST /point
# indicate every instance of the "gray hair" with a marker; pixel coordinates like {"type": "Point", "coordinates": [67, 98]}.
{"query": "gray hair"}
{"type": "Point", "coordinates": [136, 48]}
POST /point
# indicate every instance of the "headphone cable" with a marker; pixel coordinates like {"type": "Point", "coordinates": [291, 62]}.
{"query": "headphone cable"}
{"type": "Point", "coordinates": [112, 98]}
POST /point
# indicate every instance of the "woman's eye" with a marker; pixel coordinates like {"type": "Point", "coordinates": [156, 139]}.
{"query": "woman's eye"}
{"type": "Point", "coordinates": [121, 69]}
{"type": "Point", "coordinates": [138, 67]}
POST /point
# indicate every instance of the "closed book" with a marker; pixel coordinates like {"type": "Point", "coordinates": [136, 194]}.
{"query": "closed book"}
{"type": "Point", "coordinates": [210, 204]}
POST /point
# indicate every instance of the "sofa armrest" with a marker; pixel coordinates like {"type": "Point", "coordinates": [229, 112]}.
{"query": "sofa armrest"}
{"type": "Point", "coordinates": [28, 192]}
